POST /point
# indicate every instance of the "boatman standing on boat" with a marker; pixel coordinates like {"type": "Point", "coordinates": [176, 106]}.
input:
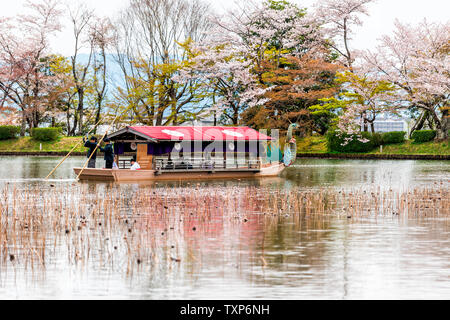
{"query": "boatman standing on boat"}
{"type": "Point", "coordinates": [92, 145]}
{"type": "Point", "coordinates": [109, 153]}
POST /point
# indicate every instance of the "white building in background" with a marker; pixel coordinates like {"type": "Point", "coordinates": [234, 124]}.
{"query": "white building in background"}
{"type": "Point", "coordinates": [205, 122]}
{"type": "Point", "coordinates": [391, 125]}
{"type": "Point", "coordinates": [386, 124]}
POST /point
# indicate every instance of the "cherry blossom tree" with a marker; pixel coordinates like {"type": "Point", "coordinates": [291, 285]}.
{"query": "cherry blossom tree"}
{"type": "Point", "coordinates": [416, 59]}
{"type": "Point", "coordinates": [25, 79]}
{"type": "Point", "coordinates": [295, 85]}
{"type": "Point", "coordinates": [273, 28]}
{"type": "Point", "coordinates": [228, 78]}
{"type": "Point", "coordinates": [8, 115]}
{"type": "Point", "coordinates": [338, 18]}
{"type": "Point", "coordinates": [363, 97]}
{"type": "Point", "coordinates": [230, 61]}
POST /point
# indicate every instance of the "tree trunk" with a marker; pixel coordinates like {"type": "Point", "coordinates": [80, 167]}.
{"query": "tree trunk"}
{"type": "Point", "coordinates": [68, 120]}
{"type": "Point", "coordinates": [80, 111]}
{"type": "Point", "coordinates": [419, 123]}
{"type": "Point", "coordinates": [443, 131]}
{"type": "Point", "coordinates": [159, 117]}
{"type": "Point", "coordinates": [235, 118]}
{"type": "Point", "coordinates": [23, 127]}
{"type": "Point", "coordinates": [441, 124]}
{"type": "Point", "coordinates": [366, 128]}
{"type": "Point", "coordinates": [97, 116]}
{"type": "Point", "coordinates": [35, 119]}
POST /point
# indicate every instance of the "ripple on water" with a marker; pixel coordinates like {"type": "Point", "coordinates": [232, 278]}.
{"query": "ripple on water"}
{"type": "Point", "coordinates": [213, 253]}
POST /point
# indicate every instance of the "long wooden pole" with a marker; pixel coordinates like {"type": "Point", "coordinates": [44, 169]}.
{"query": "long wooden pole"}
{"type": "Point", "coordinates": [67, 156]}
{"type": "Point", "coordinates": [98, 144]}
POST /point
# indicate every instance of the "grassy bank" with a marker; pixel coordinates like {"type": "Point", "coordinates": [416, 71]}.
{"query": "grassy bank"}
{"type": "Point", "coordinates": [314, 144]}
{"type": "Point", "coordinates": [435, 148]}
{"type": "Point", "coordinates": [28, 144]}
{"type": "Point", "coordinates": [307, 145]}
{"type": "Point", "coordinates": [318, 144]}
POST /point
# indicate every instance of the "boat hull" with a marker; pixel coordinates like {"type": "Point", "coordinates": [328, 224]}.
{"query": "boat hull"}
{"type": "Point", "coordinates": [152, 175]}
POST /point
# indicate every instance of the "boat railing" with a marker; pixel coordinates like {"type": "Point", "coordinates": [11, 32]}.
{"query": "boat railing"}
{"type": "Point", "coordinates": [124, 164]}
{"type": "Point", "coordinates": [200, 164]}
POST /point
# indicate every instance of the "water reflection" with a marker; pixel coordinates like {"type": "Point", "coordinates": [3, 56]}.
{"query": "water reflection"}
{"type": "Point", "coordinates": [304, 173]}
{"type": "Point", "coordinates": [335, 172]}
{"type": "Point", "coordinates": [193, 254]}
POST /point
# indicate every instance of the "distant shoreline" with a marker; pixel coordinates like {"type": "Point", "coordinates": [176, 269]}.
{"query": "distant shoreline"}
{"type": "Point", "coordinates": [362, 156]}
{"type": "Point", "coordinates": [371, 156]}
{"type": "Point", "coordinates": [40, 153]}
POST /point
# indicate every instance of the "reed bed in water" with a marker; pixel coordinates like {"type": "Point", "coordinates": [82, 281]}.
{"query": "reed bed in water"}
{"type": "Point", "coordinates": [126, 228]}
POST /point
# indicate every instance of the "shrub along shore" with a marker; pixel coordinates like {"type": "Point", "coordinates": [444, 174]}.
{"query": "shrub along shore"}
{"type": "Point", "coordinates": [30, 146]}
{"type": "Point", "coordinates": [49, 142]}
{"type": "Point", "coordinates": [392, 145]}
{"type": "Point", "coordinates": [309, 147]}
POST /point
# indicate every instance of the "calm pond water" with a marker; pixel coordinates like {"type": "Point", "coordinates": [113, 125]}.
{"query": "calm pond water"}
{"type": "Point", "coordinates": [194, 252]}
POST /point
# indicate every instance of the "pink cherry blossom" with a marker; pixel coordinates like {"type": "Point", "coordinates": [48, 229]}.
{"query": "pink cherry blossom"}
{"type": "Point", "coordinates": [24, 50]}
{"type": "Point", "coordinates": [416, 59]}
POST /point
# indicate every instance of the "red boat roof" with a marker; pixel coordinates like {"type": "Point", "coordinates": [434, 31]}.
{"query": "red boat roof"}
{"type": "Point", "coordinates": [200, 133]}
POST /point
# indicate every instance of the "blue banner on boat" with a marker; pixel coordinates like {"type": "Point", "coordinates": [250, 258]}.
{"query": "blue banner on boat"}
{"type": "Point", "coordinates": [274, 153]}
{"type": "Point", "coordinates": [287, 160]}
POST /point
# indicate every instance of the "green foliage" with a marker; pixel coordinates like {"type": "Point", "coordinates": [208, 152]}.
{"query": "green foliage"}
{"type": "Point", "coordinates": [393, 137]}
{"type": "Point", "coordinates": [153, 96]}
{"type": "Point", "coordinates": [420, 136]}
{"type": "Point", "coordinates": [337, 142]}
{"type": "Point", "coordinates": [283, 4]}
{"type": "Point", "coordinates": [412, 148]}
{"type": "Point", "coordinates": [377, 139]}
{"type": "Point", "coordinates": [312, 144]}
{"type": "Point", "coordinates": [9, 132]}
{"type": "Point", "coordinates": [361, 91]}
{"type": "Point", "coordinates": [28, 144]}
{"type": "Point", "coordinates": [329, 106]}
{"type": "Point", "coordinates": [46, 134]}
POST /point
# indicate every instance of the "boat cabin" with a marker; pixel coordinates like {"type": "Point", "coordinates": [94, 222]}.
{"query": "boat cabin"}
{"type": "Point", "coordinates": [175, 149]}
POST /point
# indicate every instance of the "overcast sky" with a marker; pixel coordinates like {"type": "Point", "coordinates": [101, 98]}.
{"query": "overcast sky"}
{"type": "Point", "coordinates": [380, 21]}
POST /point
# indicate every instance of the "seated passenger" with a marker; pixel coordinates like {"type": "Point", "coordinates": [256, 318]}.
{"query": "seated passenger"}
{"type": "Point", "coordinates": [170, 165]}
{"type": "Point", "coordinates": [185, 165]}
{"type": "Point", "coordinates": [135, 165]}
{"type": "Point", "coordinates": [115, 166]}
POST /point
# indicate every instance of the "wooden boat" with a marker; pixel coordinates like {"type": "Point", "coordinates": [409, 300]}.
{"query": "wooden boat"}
{"type": "Point", "coordinates": [126, 175]}
{"type": "Point", "coordinates": [186, 153]}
